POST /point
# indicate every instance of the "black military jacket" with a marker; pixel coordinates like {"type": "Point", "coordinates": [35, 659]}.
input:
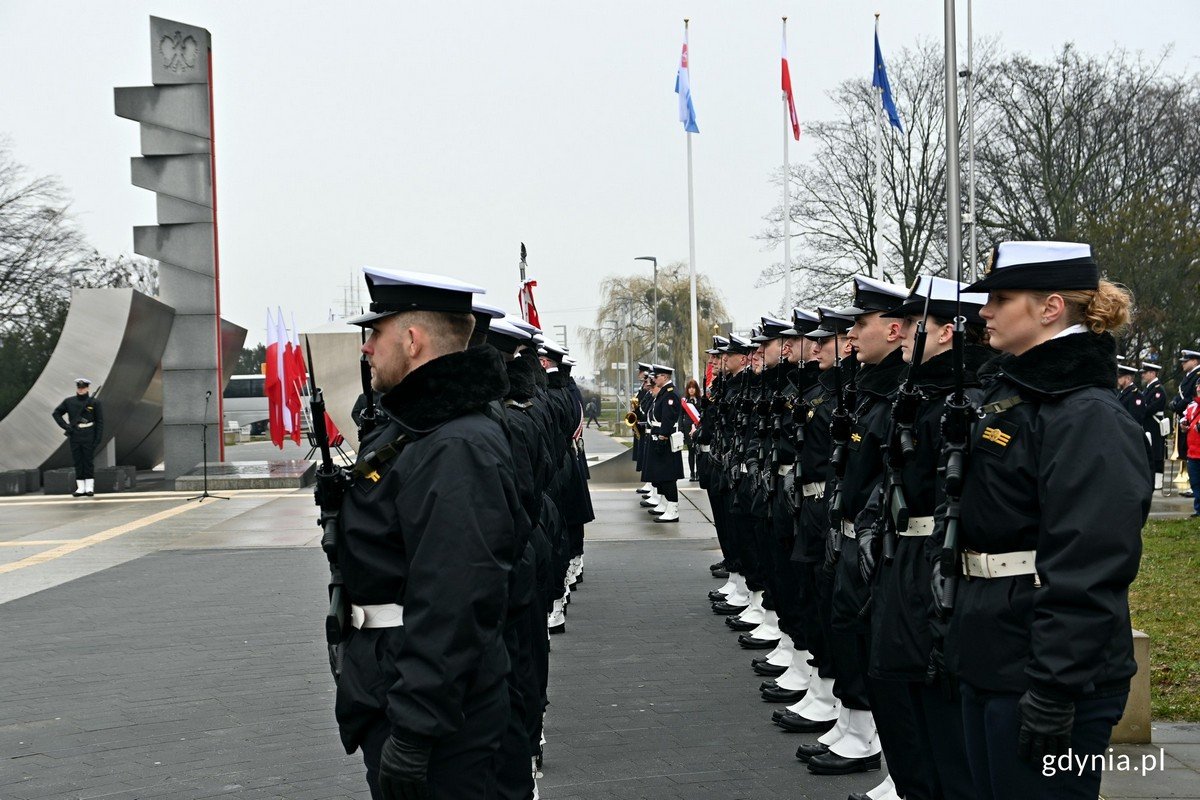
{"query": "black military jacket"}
{"type": "Point", "coordinates": [660, 465]}
{"type": "Point", "coordinates": [81, 409]}
{"type": "Point", "coordinates": [435, 533]}
{"type": "Point", "coordinates": [877, 385]}
{"type": "Point", "coordinates": [1063, 473]}
{"type": "Point", "coordinates": [900, 615]}
{"type": "Point", "coordinates": [1131, 400]}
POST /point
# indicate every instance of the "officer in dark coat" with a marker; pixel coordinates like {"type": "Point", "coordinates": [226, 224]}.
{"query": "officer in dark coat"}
{"type": "Point", "coordinates": [661, 466]}
{"type": "Point", "coordinates": [84, 428]}
{"type": "Point", "coordinates": [1155, 423]}
{"type": "Point", "coordinates": [644, 398]}
{"type": "Point", "coordinates": [1128, 395]}
{"type": "Point", "coordinates": [1189, 362]}
{"type": "Point", "coordinates": [1053, 502]}
{"type": "Point", "coordinates": [428, 533]}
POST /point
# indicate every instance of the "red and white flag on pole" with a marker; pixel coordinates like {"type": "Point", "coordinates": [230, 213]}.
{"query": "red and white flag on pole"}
{"type": "Point", "coordinates": [525, 301]}
{"type": "Point", "coordinates": [787, 90]}
{"type": "Point", "coordinates": [273, 383]}
{"type": "Point", "coordinates": [284, 368]}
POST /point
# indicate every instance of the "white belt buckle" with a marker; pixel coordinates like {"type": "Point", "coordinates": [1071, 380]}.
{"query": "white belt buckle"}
{"type": "Point", "coordinates": [386, 615]}
{"type": "Point", "coordinates": [848, 530]}
{"type": "Point", "coordinates": [784, 469]}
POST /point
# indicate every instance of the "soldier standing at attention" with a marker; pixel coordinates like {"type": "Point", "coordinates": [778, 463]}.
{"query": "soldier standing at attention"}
{"type": "Point", "coordinates": [662, 466]}
{"type": "Point", "coordinates": [1128, 394]}
{"type": "Point", "coordinates": [1155, 398]}
{"type": "Point", "coordinates": [84, 429]}
{"type": "Point", "coordinates": [428, 531]}
{"type": "Point", "coordinates": [1053, 502]}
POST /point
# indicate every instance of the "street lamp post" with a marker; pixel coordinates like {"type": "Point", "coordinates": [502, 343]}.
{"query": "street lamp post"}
{"type": "Point", "coordinates": [653, 260]}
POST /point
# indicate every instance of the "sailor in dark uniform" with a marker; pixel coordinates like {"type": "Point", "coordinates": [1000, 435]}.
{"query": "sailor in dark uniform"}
{"type": "Point", "coordinates": [84, 428]}
{"type": "Point", "coordinates": [734, 597]}
{"type": "Point", "coordinates": [1189, 363]}
{"type": "Point", "coordinates": [662, 465]}
{"type": "Point", "coordinates": [1040, 635]}
{"type": "Point", "coordinates": [819, 709]}
{"type": "Point", "coordinates": [1128, 395]}
{"type": "Point", "coordinates": [708, 466]}
{"type": "Point", "coordinates": [1156, 424]}
{"type": "Point", "coordinates": [877, 342]}
{"type": "Point", "coordinates": [918, 715]}
{"type": "Point", "coordinates": [427, 539]}
{"type": "Point", "coordinates": [644, 397]}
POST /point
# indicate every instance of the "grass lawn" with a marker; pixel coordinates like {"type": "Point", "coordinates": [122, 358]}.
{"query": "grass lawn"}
{"type": "Point", "coordinates": [1165, 601]}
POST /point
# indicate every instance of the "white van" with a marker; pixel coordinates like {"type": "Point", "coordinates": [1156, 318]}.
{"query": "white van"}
{"type": "Point", "coordinates": [246, 403]}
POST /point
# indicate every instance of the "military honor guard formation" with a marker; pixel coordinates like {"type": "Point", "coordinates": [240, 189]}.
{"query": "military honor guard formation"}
{"type": "Point", "coordinates": [928, 505]}
{"type": "Point", "coordinates": [454, 542]}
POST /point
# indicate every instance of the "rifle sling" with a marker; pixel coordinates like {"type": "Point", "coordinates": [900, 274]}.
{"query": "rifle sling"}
{"type": "Point", "coordinates": [372, 462]}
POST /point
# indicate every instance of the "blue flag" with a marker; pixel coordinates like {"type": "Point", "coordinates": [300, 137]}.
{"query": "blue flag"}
{"type": "Point", "coordinates": [880, 81]}
{"type": "Point", "coordinates": [683, 88]}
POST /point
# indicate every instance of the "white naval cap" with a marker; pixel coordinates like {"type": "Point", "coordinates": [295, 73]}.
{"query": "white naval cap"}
{"type": "Point", "coordinates": [395, 291]}
{"type": "Point", "coordinates": [872, 295]}
{"type": "Point", "coordinates": [1052, 266]}
{"type": "Point", "coordinates": [82, 382]}
{"type": "Point", "coordinates": [945, 298]}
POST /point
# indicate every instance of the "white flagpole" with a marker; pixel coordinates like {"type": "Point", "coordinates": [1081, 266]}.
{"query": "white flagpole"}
{"type": "Point", "coordinates": [877, 271]}
{"type": "Point", "coordinates": [692, 237]}
{"type": "Point", "coordinates": [787, 198]}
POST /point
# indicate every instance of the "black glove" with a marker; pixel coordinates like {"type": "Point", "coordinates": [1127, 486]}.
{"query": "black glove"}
{"type": "Point", "coordinates": [833, 550]}
{"type": "Point", "coordinates": [870, 540]}
{"type": "Point", "coordinates": [937, 584]}
{"type": "Point", "coordinates": [404, 770]}
{"type": "Point", "coordinates": [936, 673]}
{"type": "Point", "coordinates": [1045, 726]}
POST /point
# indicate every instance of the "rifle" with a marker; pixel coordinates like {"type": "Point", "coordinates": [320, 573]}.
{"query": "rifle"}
{"type": "Point", "coordinates": [955, 423]}
{"type": "Point", "coordinates": [839, 434]}
{"type": "Point", "coordinates": [369, 417]}
{"type": "Point", "coordinates": [331, 485]}
{"type": "Point", "coordinates": [901, 446]}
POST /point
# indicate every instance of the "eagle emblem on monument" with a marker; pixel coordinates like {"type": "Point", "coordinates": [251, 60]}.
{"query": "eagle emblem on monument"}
{"type": "Point", "coordinates": [178, 52]}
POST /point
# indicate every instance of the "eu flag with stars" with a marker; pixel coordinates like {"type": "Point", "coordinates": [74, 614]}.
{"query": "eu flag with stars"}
{"type": "Point", "coordinates": [880, 81]}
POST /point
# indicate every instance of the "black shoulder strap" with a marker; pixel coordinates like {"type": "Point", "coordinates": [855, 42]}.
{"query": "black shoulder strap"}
{"type": "Point", "coordinates": [369, 465]}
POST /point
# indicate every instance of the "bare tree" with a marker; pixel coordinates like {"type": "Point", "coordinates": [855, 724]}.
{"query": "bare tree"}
{"type": "Point", "coordinates": [833, 210]}
{"type": "Point", "coordinates": [626, 314]}
{"type": "Point", "coordinates": [39, 244]}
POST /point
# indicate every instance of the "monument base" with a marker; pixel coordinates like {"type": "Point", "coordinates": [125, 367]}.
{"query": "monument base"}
{"type": "Point", "coordinates": [227, 475]}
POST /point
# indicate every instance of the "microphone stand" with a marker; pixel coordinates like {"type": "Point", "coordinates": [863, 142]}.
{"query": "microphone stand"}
{"type": "Point", "coordinates": [204, 450]}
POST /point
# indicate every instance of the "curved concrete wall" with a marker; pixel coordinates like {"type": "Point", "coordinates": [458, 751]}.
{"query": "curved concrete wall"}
{"type": "Point", "coordinates": [113, 337]}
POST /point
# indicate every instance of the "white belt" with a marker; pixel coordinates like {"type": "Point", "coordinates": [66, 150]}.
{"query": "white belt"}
{"type": "Point", "coordinates": [999, 565]}
{"type": "Point", "coordinates": [814, 489]}
{"type": "Point", "coordinates": [744, 469]}
{"type": "Point", "coordinates": [704, 448]}
{"type": "Point", "coordinates": [388, 615]}
{"type": "Point", "coordinates": [848, 530]}
{"type": "Point", "coordinates": [918, 526]}
{"type": "Point", "coordinates": [84, 424]}
{"type": "Point", "coordinates": [785, 469]}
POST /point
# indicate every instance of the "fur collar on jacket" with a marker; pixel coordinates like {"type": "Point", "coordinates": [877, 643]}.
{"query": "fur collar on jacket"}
{"type": "Point", "coordinates": [522, 381]}
{"type": "Point", "coordinates": [446, 388]}
{"type": "Point", "coordinates": [1060, 366]}
{"type": "Point", "coordinates": [938, 372]}
{"type": "Point", "coordinates": [882, 378]}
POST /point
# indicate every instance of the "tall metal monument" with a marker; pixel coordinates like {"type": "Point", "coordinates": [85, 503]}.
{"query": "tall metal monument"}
{"type": "Point", "coordinates": [178, 165]}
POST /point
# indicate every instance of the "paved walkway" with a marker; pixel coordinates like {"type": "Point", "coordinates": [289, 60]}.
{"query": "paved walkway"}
{"type": "Point", "coordinates": [159, 649]}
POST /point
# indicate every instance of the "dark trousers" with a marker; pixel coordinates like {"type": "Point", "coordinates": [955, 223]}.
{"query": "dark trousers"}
{"type": "Point", "coordinates": [691, 458]}
{"type": "Point", "coordinates": [591, 419]}
{"type": "Point", "coordinates": [822, 648]}
{"type": "Point", "coordinates": [742, 525]}
{"type": "Point", "coordinates": [575, 540]}
{"type": "Point", "coordinates": [83, 454]}
{"type": "Point", "coordinates": [990, 727]}
{"type": "Point", "coordinates": [1193, 467]}
{"type": "Point", "coordinates": [904, 733]}
{"type": "Point", "coordinates": [462, 766]}
{"type": "Point", "coordinates": [850, 653]}
{"type": "Point", "coordinates": [719, 503]}
{"type": "Point", "coordinates": [669, 490]}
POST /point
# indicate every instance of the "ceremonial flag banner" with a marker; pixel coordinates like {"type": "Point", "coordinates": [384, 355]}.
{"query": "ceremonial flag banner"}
{"type": "Point", "coordinates": [273, 383]}
{"type": "Point", "coordinates": [787, 91]}
{"type": "Point", "coordinates": [880, 81]}
{"type": "Point", "coordinates": [683, 88]}
{"type": "Point", "coordinates": [525, 302]}
{"type": "Point", "coordinates": [284, 371]}
{"type": "Point", "coordinates": [692, 413]}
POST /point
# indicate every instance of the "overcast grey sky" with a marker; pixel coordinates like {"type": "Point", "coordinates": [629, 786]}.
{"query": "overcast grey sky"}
{"type": "Point", "coordinates": [437, 135]}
